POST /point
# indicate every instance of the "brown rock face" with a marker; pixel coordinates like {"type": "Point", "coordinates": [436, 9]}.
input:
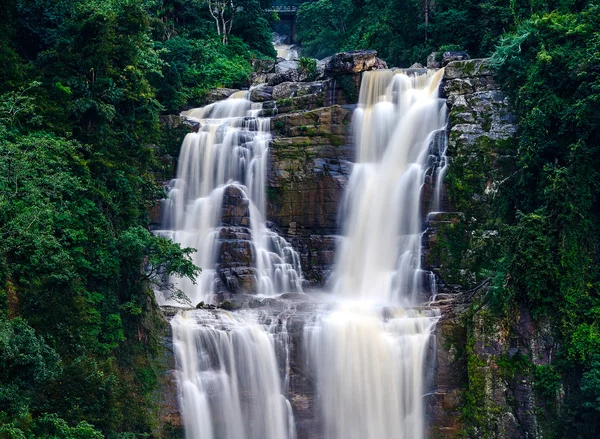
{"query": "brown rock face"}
{"type": "Point", "coordinates": [309, 167]}
{"type": "Point", "coordinates": [355, 61]}
{"type": "Point", "coordinates": [236, 260]}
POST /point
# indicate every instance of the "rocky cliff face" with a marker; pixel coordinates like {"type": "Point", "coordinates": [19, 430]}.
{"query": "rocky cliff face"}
{"type": "Point", "coordinates": [484, 385]}
{"type": "Point", "coordinates": [482, 382]}
{"type": "Point", "coordinates": [311, 154]}
{"type": "Point", "coordinates": [310, 163]}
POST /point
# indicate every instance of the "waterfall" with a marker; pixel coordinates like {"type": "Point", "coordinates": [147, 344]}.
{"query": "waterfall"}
{"type": "Point", "coordinates": [395, 124]}
{"type": "Point", "coordinates": [230, 386]}
{"type": "Point", "coordinates": [369, 365]}
{"type": "Point", "coordinates": [230, 148]}
{"type": "Point", "coordinates": [369, 353]}
{"type": "Point", "coordinates": [229, 364]}
{"type": "Point", "coordinates": [367, 344]}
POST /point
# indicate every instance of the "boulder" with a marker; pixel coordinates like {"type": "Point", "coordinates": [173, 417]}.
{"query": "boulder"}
{"type": "Point", "coordinates": [416, 66]}
{"type": "Point", "coordinates": [236, 207]}
{"type": "Point", "coordinates": [294, 89]}
{"type": "Point", "coordinates": [285, 71]}
{"type": "Point", "coordinates": [286, 66]}
{"type": "Point", "coordinates": [355, 61]}
{"type": "Point", "coordinates": [259, 78]}
{"type": "Point", "coordinates": [454, 56]}
{"type": "Point", "coordinates": [468, 69]}
{"type": "Point", "coordinates": [261, 93]}
{"type": "Point", "coordinates": [218, 94]}
{"type": "Point", "coordinates": [263, 65]}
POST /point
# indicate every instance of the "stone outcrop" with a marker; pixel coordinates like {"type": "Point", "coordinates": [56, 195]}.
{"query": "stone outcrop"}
{"type": "Point", "coordinates": [218, 94]}
{"type": "Point", "coordinates": [309, 160]}
{"type": "Point", "coordinates": [236, 264]}
{"type": "Point", "coordinates": [451, 56]}
{"type": "Point", "coordinates": [345, 63]}
{"type": "Point", "coordinates": [355, 61]}
{"type": "Point", "coordinates": [311, 152]}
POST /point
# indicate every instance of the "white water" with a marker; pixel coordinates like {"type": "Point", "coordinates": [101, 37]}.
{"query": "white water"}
{"type": "Point", "coordinates": [368, 354]}
{"type": "Point", "coordinates": [380, 254]}
{"type": "Point", "coordinates": [230, 148]}
{"type": "Point", "coordinates": [369, 365]}
{"type": "Point", "coordinates": [287, 51]}
{"type": "Point", "coordinates": [230, 386]}
{"type": "Point", "coordinates": [369, 359]}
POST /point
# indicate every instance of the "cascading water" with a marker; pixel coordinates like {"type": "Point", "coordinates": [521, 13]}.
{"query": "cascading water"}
{"type": "Point", "coordinates": [229, 380]}
{"type": "Point", "coordinates": [367, 350]}
{"type": "Point", "coordinates": [395, 125]}
{"type": "Point", "coordinates": [230, 148]}
{"type": "Point", "coordinates": [369, 356]}
{"type": "Point", "coordinates": [230, 386]}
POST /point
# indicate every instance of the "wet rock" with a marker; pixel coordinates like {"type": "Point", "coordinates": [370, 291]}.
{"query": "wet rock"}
{"type": "Point", "coordinates": [286, 66]}
{"type": "Point", "coordinates": [416, 66]}
{"type": "Point", "coordinates": [295, 89]}
{"type": "Point", "coordinates": [473, 68]}
{"type": "Point", "coordinates": [230, 305]}
{"type": "Point", "coordinates": [309, 169]}
{"type": "Point", "coordinates": [218, 94]}
{"type": "Point", "coordinates": [235, 210]}
{"type": "Point", "coordinates": [354, 62]}
{"type": "Point", "coordinates": [454, 56]}
{"type": "Point", "coordinates": [260, 78]}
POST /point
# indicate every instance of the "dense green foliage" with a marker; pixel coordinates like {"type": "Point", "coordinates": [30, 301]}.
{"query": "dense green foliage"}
{"type": "Point", "coordinates": [551, 67]}
{"type": "Point", "coordinates": [82, 84]}
{"type": "Point", "coordinates": [406, 31]}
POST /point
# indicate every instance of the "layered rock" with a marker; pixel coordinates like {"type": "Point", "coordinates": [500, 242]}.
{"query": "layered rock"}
{"type": "Point", "coordinates": [484, 380]}
{"type": "Point", "coordinates": [236, 262]}
{"type": "Point", "coordinates": [311, 150]}
{"type": "Point", "coordinates": [309, 160]}
{"type": "Point", "coordinates": [345, 63]}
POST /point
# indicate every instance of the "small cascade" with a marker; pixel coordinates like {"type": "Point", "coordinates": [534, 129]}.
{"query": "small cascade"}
{"type": "Point", "coordinates": [287, 51]}
{"type": "Point", "coordinates": [230, 385]}
{"type": "Point", "coordinates": [230, 148]}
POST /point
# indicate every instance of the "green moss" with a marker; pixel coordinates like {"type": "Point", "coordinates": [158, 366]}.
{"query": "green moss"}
{"type": "Point", "coordinates": [348, 86]}
{"type": "Point", "coordinates": [279, 125]}
{"type": "Point", "coordinates": [478, 413]}
{"type": "Point", "coordinates": [285, 102]}
{"type": "Point", "coordinates": [336, 140]}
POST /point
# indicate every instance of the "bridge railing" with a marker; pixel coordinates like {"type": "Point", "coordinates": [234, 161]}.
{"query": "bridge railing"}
{"type": "Point", "coordinates": [289, 9]}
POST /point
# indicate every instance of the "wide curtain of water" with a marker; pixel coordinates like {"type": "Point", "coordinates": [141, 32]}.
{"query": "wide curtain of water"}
{"type": "Point", "coordinates": [369, 353]}
{"type": "Point", "coordinates": [229, 377]}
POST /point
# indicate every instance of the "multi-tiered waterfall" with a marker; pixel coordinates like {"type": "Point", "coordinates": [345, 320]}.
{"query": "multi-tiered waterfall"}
{"type": "Point", "coordinates": [230, 148]}
{"type": "Point", "coordinates": [366, 347]}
